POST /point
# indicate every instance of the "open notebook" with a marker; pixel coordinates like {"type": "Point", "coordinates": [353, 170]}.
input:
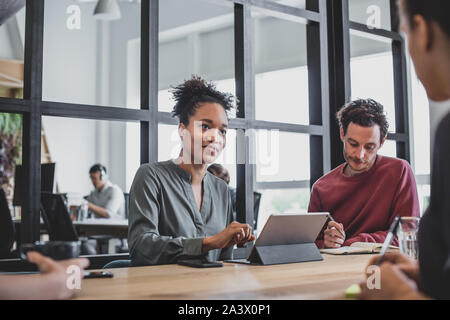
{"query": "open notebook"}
{"type": "Point", "coordinates": [357, 247]}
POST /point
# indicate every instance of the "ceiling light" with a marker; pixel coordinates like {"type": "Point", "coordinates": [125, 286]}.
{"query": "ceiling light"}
{"type": "Point", "coordinates": [107, 10]}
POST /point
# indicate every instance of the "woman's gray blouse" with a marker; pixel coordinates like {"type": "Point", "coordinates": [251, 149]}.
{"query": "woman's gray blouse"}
{"type": "Point", "coordinates": [164, 221]}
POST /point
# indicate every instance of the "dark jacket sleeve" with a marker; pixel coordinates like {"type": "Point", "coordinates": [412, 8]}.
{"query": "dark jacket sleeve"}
{"type": "Point", "coordinates": [434, 258]}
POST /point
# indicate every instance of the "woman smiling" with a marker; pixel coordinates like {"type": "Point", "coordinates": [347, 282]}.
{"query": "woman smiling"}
{"type": "Point", "coordinates": [177, 208]}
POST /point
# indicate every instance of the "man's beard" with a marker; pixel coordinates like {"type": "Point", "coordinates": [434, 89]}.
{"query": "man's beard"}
{"type": "Point", "coordinates": [361, 162]}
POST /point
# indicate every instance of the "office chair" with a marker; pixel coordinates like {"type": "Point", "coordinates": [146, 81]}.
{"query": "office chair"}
{"type": "Point", "coordinates": [103, 240]}
{"type": "Point", "coordinates": [7, 231]}
{"type": "Point", "coordinates": [57, 218]}
{"type": "Point", "coordinates": [127, 203]}
{"type": "Point", "coordinates": [256, 202]}
{"type": "Point", "coordinates": [59, 224]}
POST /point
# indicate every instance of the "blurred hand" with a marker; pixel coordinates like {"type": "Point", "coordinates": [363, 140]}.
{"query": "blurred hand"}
{"type": "Point", "coordinates": [394, 285]}
{"type": "Point", "coordinates": [407, 265]}
{"type": "Point", "coordinates": [235, 233]}
{"type": "Point", "coordinates": [55, 272]}
{"type": "Point", "coordinates": [332, 237]}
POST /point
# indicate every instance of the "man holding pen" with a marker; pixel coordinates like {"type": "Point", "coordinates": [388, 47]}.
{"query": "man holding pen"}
{"type": "Point", "coordinates": [364, 194]}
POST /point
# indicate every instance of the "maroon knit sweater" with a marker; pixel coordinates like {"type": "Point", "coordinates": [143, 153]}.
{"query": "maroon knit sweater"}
{"type": "Point", "coordinates": [366, 204]}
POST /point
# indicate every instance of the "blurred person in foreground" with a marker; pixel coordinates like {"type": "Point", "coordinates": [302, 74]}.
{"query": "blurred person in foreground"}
{"type": "Point", "coordinates": [50, 284]}
{"type": "Point", "coordinates": [426, 25]}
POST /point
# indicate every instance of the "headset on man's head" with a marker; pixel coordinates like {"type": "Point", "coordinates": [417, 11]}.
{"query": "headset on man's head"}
{"type": "Point", "coordinates": [98, 167]}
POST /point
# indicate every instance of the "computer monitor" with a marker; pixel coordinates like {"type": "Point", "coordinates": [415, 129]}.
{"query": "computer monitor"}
{"type": "Point", "coordinates": [47, 181]}
{"type": "Point", "coordinates": [47, 177]}
{"type": "Point", "coordinates": [57, 217]}
{"type": "Point", "coordinates": [256, 202]}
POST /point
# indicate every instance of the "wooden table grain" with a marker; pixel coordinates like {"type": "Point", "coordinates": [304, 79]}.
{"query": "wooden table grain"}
{"type": "Point", "coordinates": [327, 279]}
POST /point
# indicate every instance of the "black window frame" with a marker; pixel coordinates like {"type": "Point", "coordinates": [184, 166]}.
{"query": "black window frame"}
{"type": "Point", "coordinates": [329, 88]}
{"type": "Point", "coordinates": [340, 82]}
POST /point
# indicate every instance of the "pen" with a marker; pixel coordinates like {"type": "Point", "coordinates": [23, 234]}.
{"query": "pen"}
{"type": "Point", "coordinates": [389, 238]}
{"type": "Point", "coordinates": [331, 218]}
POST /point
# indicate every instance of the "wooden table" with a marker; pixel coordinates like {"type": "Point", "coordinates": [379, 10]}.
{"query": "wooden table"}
{"type": "Point", "coordinates": [327, 279]}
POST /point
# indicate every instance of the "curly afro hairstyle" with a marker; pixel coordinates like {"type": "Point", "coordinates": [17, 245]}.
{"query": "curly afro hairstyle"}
{"type": "Point", "coordinates": [363, 112]}
{"type": "Point", "coordinates": [195, 91]}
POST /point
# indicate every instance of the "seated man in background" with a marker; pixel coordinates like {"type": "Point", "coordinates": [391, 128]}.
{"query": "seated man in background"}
{"type": "Point", "coordinates": [368, 191]}
{"type": "Point", "coordinates": [107, 199]}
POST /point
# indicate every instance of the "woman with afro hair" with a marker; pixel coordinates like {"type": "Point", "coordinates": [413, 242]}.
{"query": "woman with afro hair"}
{"type": "Point", "coordinates": [177, 208]}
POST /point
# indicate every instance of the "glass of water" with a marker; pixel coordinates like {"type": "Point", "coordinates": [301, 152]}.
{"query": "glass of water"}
{"type": "Point", "coordinates": [407, 236]}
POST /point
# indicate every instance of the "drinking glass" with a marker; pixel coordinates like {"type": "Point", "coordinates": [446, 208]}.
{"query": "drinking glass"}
{"type": "Point", "coordinates": [407, 236]}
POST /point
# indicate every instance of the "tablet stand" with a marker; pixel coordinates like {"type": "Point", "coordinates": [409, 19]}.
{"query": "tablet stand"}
{"type": "Point", "coordinates": [287, 253]}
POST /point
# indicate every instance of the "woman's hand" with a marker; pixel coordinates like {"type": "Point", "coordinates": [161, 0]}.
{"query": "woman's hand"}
{"type": "Point", "coordinates": [235, 233]}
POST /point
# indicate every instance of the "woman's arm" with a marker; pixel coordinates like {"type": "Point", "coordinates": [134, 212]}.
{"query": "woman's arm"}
{"type": "Point", "coordinates": [148, 247]}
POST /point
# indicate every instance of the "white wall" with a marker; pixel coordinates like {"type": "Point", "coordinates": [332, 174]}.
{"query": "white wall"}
{"type": "Point", "coordinates": [12, 34]}
{"type": "Point", "coordinates": [73, 149]}
{"type": "Point", "coordinates": [362, 10]}
{"type": "Point", "coordinates": [6, 49]}
{"type": "Point", "coordinates": [85, 66]}
{"type": "Point", "coordinates": [69, 62]}
{"type": "Point", "coordinates": [89, 66]}
{"type": "Point", "coordinates": [123, 157]}
{"type": "Point", "coordinates": [69, 76]}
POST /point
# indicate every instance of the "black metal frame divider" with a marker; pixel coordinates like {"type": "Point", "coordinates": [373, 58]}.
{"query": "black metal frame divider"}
{"type": "Point", "coordinates": [328, 59]}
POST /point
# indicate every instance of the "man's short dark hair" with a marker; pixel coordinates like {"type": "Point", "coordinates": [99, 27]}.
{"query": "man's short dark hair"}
{"type": "Point", "coordinates": [431, 10]}
{"type": "Point", "coordinates": [97, 168]}
{"type": "Point", "coordinates": [363, 112]}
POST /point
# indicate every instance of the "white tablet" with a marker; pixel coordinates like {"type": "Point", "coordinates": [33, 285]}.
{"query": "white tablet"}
{"type": "Point", "coordinates": [288, 229]}
{"type": "Point", "coordinates": [291, 228]}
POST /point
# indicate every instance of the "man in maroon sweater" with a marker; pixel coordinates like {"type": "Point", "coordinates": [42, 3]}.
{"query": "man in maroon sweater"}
{"type": "Point", "coordinates": [368, 191]}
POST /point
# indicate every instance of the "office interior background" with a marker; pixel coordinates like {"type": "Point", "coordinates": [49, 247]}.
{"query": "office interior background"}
{"type": "Point", "coordinates": [77, 90]}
